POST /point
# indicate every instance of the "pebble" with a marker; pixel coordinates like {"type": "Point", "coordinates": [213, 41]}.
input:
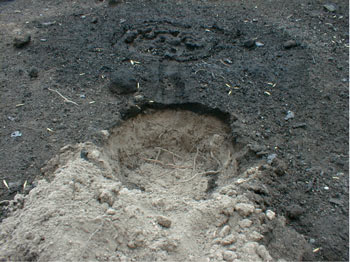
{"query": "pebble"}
{"type": "Point", "coordinates": [290, 115]}
{"type": "Point", "coordinates": [244, 209]}
{"type": "Point", "coordinates": [106, 197]}
{"type": "Point", "coordinates": [111, 211]}
{"type": "Point", "coordinates": [16, 134]}
{"type": "Point", "coordinates": [245, 223]}
{"type": "Point", "coordinates": [270, 214]}
{"type": "Point", "coordinates": [256, 236]}
{"type": "Point", "coordinates": [228, 240]}
{"type": "Point", "coordinates": [21, 41]}
{"type": "Point", "coordinates": [164, 221]}
{"type": "Point", "coordinates": [228, 61]}
{"type": "Point", "coordinates": [123, 82]}
{"type": "Point", "coordinates": [130, 36]}
{"type": "Point", "coordinates": [229, 255]}
{"type": "Point", "coordinates": [290, 44]}
{"type": "Point", "coordinates": [330, 7]}
{"type": "Point", "coordinates": [139, 98]}
{"type": "Point", "coordinates": [270, 158]}
{"type": "Point", "coordinates": [259, 44]}
{"type": "Point", "coordinates": [225, 231]}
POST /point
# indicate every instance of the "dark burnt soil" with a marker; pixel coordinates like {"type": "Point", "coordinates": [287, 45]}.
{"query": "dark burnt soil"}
{"type": "Point", "coordinates": [258, 61]}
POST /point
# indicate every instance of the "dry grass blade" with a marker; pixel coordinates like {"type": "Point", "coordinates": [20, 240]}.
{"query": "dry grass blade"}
{"type": "Point", "coordinates": [64, 98]}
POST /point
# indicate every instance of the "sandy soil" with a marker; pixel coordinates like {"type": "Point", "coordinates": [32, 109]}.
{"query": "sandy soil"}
{"type": "Point", "coordinates": [167, 186]}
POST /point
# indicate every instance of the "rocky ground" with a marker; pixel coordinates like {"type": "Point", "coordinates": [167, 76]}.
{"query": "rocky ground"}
{"type": "Point", "coordinates": [275, 72]}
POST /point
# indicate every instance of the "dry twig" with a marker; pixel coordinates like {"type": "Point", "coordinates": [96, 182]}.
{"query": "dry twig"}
{"type": "Point", "coordinates": [165, 164]}
{"type": "Point", "coordinates": [211, 172]}
{"type": "Point", "coordinates": [64, 98]}
{"type": "Point", "coordinates": [166, 150]}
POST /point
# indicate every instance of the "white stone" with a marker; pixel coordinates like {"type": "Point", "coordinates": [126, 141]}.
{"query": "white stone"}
{"type": "Point", "coordinates": [270, 214]}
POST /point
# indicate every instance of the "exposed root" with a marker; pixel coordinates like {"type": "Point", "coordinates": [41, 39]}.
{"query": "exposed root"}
{"type": "Point", "coordinates": [165, 164]}
{"type": "Point", "coordinates": [211, 172]}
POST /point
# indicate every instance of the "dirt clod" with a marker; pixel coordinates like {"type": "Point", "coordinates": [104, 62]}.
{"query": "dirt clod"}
{"type": "Point", "coordinates": [123, 82]}
{"type": "Point", "coordinates": [21, 40]}
{"type": "Point", "coordinates": [164, 221]}
{"type": "Point", "coordinates": [290, 44]}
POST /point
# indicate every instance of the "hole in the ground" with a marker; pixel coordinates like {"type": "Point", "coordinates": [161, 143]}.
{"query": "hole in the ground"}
{"type": "Point", "coordinates": [178, 152]}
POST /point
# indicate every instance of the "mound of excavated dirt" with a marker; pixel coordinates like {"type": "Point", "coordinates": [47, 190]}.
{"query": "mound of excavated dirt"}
{"type": "Point", "coordinates": [166, 186]}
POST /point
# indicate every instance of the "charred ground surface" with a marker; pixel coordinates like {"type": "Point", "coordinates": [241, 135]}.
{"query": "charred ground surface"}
{"type": "Point", "coordinates": [278, 69]}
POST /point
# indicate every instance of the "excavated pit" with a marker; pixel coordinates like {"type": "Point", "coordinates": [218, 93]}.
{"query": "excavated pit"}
{"type": "Point", "coordinates": [175, 152]}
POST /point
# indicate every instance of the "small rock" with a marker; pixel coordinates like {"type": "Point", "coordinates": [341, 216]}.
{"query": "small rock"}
{"type": "Point", "coordinates": [294, 211]}
{"type": "Point", "coordinates": [130, 36]}
{"type": "Point", "coordinates": [228, 61]}
{"type": "Point", "coordinates": [21, 41]}
{"type": "Point", "coordinates": [245, 223]}
{"type": "Point", "coordinates": [290, 44]}
{"type": "Point", "coordinates": [164, 221]}
{"type": "Point", "coordinates": [330, 7]}
{"type": "Point", "coordinates": [16, 134]}
{"type": "Point", "coordinates": [259, 44]}
{"type": "Point", "coordinates": [270, 158]}
{"type": "Point", "coordinates": [290, 115]}
{"type": "Point", "coordinates": [244, 209]}
{"type": "Point", "coordinates": [106, 197]}
{"type": "Point", "coordinates": [139, 98]}
{"type": "Point", "coordinates": [111, 211]}
{"type": "Point", "coordinates": [255, 236]}
{"type": "Point", "coordinates": [123, 82]}
{"type": "Point", "coordinates": [270, 214]}
{"type": "Point", "coordinates": [249, 43]}
{"type": "Point", "coordinates": [312, 241]}
{"type": "Point", "coordinates": [33, 72]}
{"type": "Point", "coordinates": [225, 231]}
{"type": "Point", "coordinates": [228, 240]}
{"type": "Point", "coordinates": [228, 255]}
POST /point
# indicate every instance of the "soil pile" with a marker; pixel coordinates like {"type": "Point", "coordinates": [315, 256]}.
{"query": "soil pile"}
{"type": "Point", "coordinates": [156, 191]}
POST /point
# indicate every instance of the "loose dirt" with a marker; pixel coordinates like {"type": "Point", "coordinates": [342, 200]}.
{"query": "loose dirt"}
{"type": "Point", "coordinates": [167, 186]}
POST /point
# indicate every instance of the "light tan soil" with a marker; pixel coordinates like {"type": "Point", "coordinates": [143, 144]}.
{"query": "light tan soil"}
{"type": "Point", "coordinates": [167, 186]}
